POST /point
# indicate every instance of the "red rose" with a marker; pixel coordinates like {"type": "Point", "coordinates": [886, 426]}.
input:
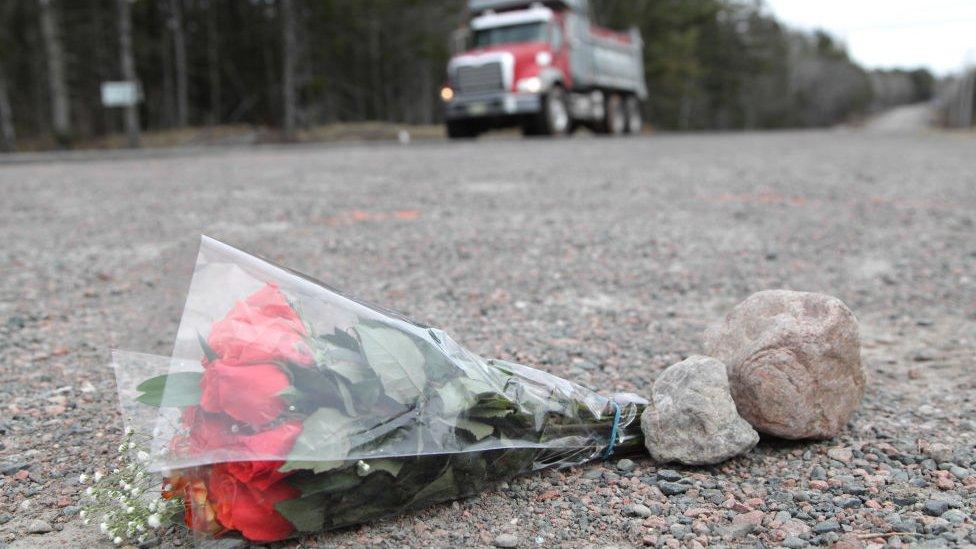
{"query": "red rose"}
{"type": "Point", "coordinates": [262, 328]}
{"type": "Point", "coordinates": [245, 393]}
{"type": "Point", "coordinates": [247, 508]}
{"type": "Point", "coordinates": [211, 435]}
{"type": "Point", "coordinates": [198, 513]}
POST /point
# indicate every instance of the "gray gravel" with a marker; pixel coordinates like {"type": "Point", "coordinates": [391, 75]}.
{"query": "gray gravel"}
{"type": "Point", "coordinates": [598, 260]}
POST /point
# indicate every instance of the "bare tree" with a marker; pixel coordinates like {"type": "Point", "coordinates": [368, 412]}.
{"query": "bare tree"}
{"type": "Point", "coordinates": [131, 113]}
{"type": "Point", "coordinates": [289, 54]}
{"type": "Point", "coordinates": [213, 62]}
{"type": "Point", "coordinates": [58, 88]}
{"type": "Point", "coordinates": [7, 136]}
{"type": "Point", "coordinates": [179, 59]}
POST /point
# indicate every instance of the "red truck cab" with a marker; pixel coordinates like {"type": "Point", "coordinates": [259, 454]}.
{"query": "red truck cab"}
{"type": "Point", "coordinates": [543, 67]}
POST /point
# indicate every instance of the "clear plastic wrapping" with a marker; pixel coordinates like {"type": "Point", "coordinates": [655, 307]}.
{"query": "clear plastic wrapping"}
{"type": "Point", "coordinates": [288, 408]}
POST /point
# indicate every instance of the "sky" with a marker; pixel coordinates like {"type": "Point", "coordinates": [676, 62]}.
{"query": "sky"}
{"type": "Point", "coordinates": [937, 34]}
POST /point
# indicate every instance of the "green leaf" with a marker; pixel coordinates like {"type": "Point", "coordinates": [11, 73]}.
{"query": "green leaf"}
{"type": "Point", "coordinates": [307, 514]}
{"type": "Point", "coordinates": [397, 361]}
{"type": "Point", "coordinates": [341, 338]}
{"type": "Point", "coordinates": [355, 372]}
{"type": "Point", "coordinates": [336, 481]}
{"type": "Point", "coordinates": [347, 401]}
{"type": "Point", "coordinates": [324, 441]}
{"type": "Point", "coordinates": [440, 489]}
{"type": "Point", "coordinates": [174, 390]}
{"type": "Point", "coordinates": [311, 465]}
{"type": "Point", "coordinates": [476, 428]}
{"type": "Point", "coordinates": [391, 466]}
{"type": "Point", "coordinates": [207, 349]}
{"type": "Point", "coordinates": [460, 394]}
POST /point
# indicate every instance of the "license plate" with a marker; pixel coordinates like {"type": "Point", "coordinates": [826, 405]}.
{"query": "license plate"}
{"type": "Point", "coordinates": [477, 108]}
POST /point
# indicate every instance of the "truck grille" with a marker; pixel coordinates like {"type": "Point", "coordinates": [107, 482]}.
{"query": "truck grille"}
{"type": "Point", "coordinates": [480, 78]}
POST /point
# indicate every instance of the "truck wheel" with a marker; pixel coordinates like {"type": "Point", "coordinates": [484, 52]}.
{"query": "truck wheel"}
{"type": "Point", "coordinates": [555, 113]}
{"type": "Point", "coordinates": [635, 120]}
{"type": "Point", "coordinates": [461, 129]}
{"type": "Point", "coordinates": [616, 118]}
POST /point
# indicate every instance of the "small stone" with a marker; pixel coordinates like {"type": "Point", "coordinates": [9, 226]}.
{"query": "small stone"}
{"type": "Point", "coordinates": [672, 488]}
{"type": "Point", "coordinates": [826, 526]}
{"type": "Point", "coordinates": [955, 516]}
{"type": "Point", "coordinates": [752, 517]}
{"type": "Point", "coordinates": [794, 362]}
{"type": "Point", "coordinates": [669, 474]}
{"type": "Point", "coordinates": [506, 540]}
{"type": "Point", "coordinates": [939, 452]}
{"type": "Point", "coordinates": [692, 418]}
{"type": "Point", "coordinates": [925, 355]}
{"type": "Point", "coordinates": [935, 508]}
{"type": "Point", "coordinates": [637, 510]}
{"type": "Point", "coordinates": [793, 542]}
{"type": "Point", "coordinates": [840, 454]}
{"type": "Point", "coordinates": [738, 530]}
{"type": "Point", "coordinates": [38, 526]}
{"type": "Point", "coordinates": [593, 474]}
{"type": "Point", "coordinates": [959, 472]}
{"type": "Point", "coordinates": [905, 526]}
{"type": "Point", "coordinates": [11, 468]}
{"type": "Point", "coordinates": [625, 465]}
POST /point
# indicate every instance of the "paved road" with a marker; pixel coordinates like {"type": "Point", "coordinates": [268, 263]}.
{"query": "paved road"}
{"type": "Point", "coordinates": [599, 260]}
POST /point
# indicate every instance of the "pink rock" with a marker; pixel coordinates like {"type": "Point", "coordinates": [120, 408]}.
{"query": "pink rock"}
{"type": "Point", "coordinates": [794, 362]}
{"type": "Point", "coordinates": [752, 517]}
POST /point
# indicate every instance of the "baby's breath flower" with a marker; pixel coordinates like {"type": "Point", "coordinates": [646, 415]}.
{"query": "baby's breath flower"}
{"type": "Point", "coordinates": [142, 456]}
{"type": "Point", "coordinates": [89, 491]}
{"type": "Point", "coordinates": [98, 476]}
{"type": "Point", "coordinates": [83, 478]}
{"type": "Point", "coordinates": [154, 521]}
{"type": "Point", "coordinates": [117, 540]}
{"type": "Point", "coordinates": [103, 527]}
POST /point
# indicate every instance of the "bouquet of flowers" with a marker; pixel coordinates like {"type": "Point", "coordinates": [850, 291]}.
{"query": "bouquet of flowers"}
{"type": "Point", "coordinates": [289, 408]}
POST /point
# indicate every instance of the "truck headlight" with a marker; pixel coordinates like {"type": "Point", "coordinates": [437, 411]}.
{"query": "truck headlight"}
{"type": "Point", "coordinates": [447, 93]}
{"type": "Point", "coordinates": [543, 58]}
{"type": "Point", "coordinates": [531, 84]}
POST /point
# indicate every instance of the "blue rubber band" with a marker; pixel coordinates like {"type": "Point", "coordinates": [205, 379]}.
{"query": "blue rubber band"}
{"type": "Point", "coordinates": [613, 430]}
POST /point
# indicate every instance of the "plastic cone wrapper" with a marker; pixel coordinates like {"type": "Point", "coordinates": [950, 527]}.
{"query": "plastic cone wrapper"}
{"type": "Point", "coordinates": [288, 408]}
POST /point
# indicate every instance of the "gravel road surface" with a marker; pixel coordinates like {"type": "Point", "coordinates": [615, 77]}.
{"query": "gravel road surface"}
{"type": "Point", "coordinates": [599, 260]}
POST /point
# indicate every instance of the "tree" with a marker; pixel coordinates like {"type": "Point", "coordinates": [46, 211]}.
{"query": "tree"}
{"type": "Point", "coordinates": [213, 62]}
{"type": "Point", "coordinates": [289, 55]}
{"type": "Point", "coordinates": [179, 63]}
{"type": "Point", "coordinates": [57, 86]}
{"type": "Point", "coordinates": [128, 65]}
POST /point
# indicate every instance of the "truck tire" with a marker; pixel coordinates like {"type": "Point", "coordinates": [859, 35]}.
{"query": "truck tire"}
{"type": "Point", "coordinates": [554, 118]}
{"type": "Point", "coordinates": [616, 117]}
{"type": "Point", "coordinates": [461, 129]}
{"type": "Point", "coordinates": [635, 119]}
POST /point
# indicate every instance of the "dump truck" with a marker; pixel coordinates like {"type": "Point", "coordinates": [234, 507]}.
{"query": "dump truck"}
{"type": "Point", "coordinates": [545, 67]}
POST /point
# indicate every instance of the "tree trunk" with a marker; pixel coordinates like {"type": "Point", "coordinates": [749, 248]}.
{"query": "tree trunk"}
{"type": "Point", "coordinates": [58, 88]}
{"type": "Point", "coordinates": [7, 138]}
{"type": "Point", "coordinates": [131, 113]}
{"type": "Point", "coordinates": [179, 59]}
{"type": "Point", "coordinates": [213, 63]}
{"type": "Point", "coordinates": [289, 51]}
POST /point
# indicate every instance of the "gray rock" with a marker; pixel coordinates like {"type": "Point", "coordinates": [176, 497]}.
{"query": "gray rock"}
{"type": "Point", "coordinates": [637, 510]}
{"type": "Point", "coordinates": [625, 465]}
{"type": "Point", "coordinates": [959, 472]}
{"type": "Point", "coordinates": [793, 542]}
{"type": "Point", "coordinates": [954, 516]}
{"type": "Point", "coordinates": [794, 362]}
{"type": "Point", "coordinates": [38, 526]}
{"type": "Point", "coordinates": [669, 475]}
{"type": "Point", "coordinates": [506, 540]}
{"type": "Point", "coordinates": [935, 508]}
{"type": "Point", "coordinates": [826, 526]}
{"type": "Point", "coordinates": [672, 488]}
{"type": "Point", "coordinates": [692, 418]}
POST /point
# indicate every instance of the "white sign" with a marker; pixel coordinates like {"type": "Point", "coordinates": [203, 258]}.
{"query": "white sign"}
{"type": "Point", "coordinates": [120, 94]}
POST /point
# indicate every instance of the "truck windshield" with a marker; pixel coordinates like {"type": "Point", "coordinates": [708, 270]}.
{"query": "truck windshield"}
{"type": "Point", "coordinates": [525, 32]}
